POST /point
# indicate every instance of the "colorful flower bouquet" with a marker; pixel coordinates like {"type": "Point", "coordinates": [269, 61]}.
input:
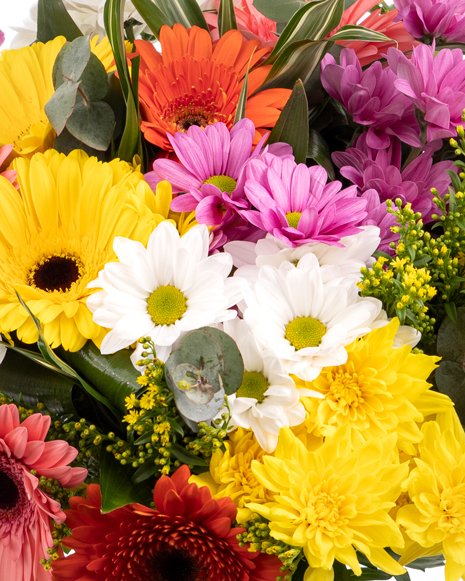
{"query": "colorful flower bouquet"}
{"type": "Point", "coordinates": [232, 267]}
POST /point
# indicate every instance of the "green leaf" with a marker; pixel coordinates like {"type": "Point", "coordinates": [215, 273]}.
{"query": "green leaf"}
{"type": "Point", "coordinates": [61, 105]}
{"type": "Point", "coordinates": [130, 144]}
{"type": "Point", "coordinates": [422, 261]}
{"type": "Point", "coordinates": [66, 143]}
{"type": "Point", "coordinates": [114, 376]}
{"type": "Point", "coordinates": [185, 12]}
{"type": "Point", "coordinates": [297, 61]}
{"type": "Point", "coordinates": [94, 80]}
{"type": "Point", "coordinates": [292, 125]}
{"type": "Point", "coordinates": [318, 150]}
{"type": "Point", "coordinates": [144, 472]}
{"type": "Point", "coordinates": [117, 487]}
{"type": "Point", "coordinates": [76, 58]}
{"type": "Point", "coordinates": [451, 312]}
{"type": "Point", "coordinates": [451, 338]}
{"type": "Point", "coordinates": [450, 379]}
{"type": "Point", "coordinates": [278, 10]}
{"type": "Point", "coordinates": [57, 77]}
{"type": "Point", "coordinates": [53, 20]}
{"type": "Point", "coordinates": [314, 21]}
{"type": "Point", "coordinates": [186, 457]}
{"type": "Point", "coordinates": [152, 15]}
{"type": "Point", "coordinates": [456, 183]}
{"type": "Point", "coordinates": [423, 563]}
{"type": "Point", "coordinates": [92, 123]}
{"type": "Point", "coordinates": [226, 17]}
{"type": "Point", "coordinates": [355, 32]}
{"type": "Point", "coordinates": [241, 104]}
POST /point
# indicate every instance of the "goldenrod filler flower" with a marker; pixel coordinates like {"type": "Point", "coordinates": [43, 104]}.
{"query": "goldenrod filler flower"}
{"type": "Point", "coordinates": [436, 518]}
{"type": "Point", "coordinates": [333, 500]}
{"type": "Point", "coordinates": [231, 473]}
{"type": "Point", "coordinates": [57, 232]}
{"type": "Point", "coordinates": [379, 390]}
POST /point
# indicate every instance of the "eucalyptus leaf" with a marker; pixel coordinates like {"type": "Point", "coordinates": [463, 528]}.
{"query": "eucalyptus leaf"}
{"type": "Point", "coordinates": [198, 386]}
{"type": "Point", "coordinates": [278, 10]}
{"type": "Point", "coordinates": [57, 76]}
{"type": "Point", "coordinates": [94, 80]}
{"type": "Point", "coordinates": [76, 58]}
{"type": "Point", "coordinates": [292, 125]}
{"type": "Point", "coordinates": [117, 487]}
{"type": "Point", "coordinates": [226, 17]}
{"type": "Point", "coordinates": [92, 123]}
{"type": "Point", "coordinates": [61, 105]}
{"type": "Point", "coordinates": [53, 20]}
{"type": "Point", "coordinates": [203, 350]}
{"type": "Point", "coordinates": [66, 143]}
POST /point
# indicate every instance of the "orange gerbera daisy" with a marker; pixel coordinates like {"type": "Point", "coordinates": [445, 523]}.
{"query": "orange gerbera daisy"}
{"type": "Point", "coordinates": [196, 82]}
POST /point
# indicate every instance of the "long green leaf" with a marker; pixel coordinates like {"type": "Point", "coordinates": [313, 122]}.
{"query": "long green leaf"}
{"type": "Point", "coordinates": [152, 15]}
{"type": "Point", "coordinates": [114, 376]}
{"type": "Point", "coordinates": [185, 12]}
{"type": "Point", "coordinates": [226, 17]}
{"type": "Point", "coordinates": [278, 10]}
{"type": "Point", "coordinates": [314, 21]}
{"type": "Point", "coordinates": [292, 125]}
{"type": "Point", "coordinates": [297, 61]}
{"type": "Point", "coordinates": [117, 487]}
{"type": "Point", "coordinates": [350, 32]}
{"type": "Point", "coordinates": [318, 150]}
{"type": "Point", "coordinates": [241, 104]}
{"type": "Point", "coordinates": [53, 20]}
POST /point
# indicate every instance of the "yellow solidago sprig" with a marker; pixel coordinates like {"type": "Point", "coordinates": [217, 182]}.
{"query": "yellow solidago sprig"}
{"type": "Point", "coordinates": [333, 500]}
{"type": "Point", "coordinates": [435, 519]}
{"type": "Point", "coordinates": [378, 391]}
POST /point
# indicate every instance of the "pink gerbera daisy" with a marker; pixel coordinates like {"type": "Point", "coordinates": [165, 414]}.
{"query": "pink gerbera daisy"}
{"type": "Point", "coordinates": [25, 510]}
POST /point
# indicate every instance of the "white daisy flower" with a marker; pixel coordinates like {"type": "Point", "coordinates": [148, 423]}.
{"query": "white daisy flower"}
{"type": "Point", "coordinates": [356, 253]}
{"type": "Point", "coordinates": [268, 399]}
{"type": "Point", "coordinates": [306, 315]}
{"type": "Point", "coordinates": [162, 291]}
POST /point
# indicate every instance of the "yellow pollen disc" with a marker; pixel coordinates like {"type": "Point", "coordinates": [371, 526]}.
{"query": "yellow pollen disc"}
{"type": "Point", "coordinates": [224, 183]}
{"type": "Point", "coordinates": [254, 384]}
{"type": "Point", "coordinates": [293, 219]}
{"type": "Point", "coordinates": [166, 305]}
{"type": "Point", "coordinates": [305, 332]}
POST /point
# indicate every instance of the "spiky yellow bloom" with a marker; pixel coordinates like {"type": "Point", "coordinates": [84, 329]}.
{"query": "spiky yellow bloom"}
{"type": "Point", "coordinates": [333, 500]}
{"type": "Point", "coordinates": [436, 518]}
{"type": "Point", "coordinates": [379, 390]}
{"type": "Point", "coordinates": [57, 232]}
{"type": "Point", "coordinates": [231, 474]}
{"type": "Point", "coordinates": [26, 85]}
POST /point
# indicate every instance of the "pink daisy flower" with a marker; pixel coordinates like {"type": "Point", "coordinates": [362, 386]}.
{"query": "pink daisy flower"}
{"type": "Point", "coordinates": [296, 205]}
{"type": "Point", "coordinates": [9, 174]}
{"type": "Point", "coordinates": [25, 510]}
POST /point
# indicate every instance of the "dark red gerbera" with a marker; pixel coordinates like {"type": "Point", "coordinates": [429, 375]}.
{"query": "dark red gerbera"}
{"type": "Point", "coordinates": [188, 537]}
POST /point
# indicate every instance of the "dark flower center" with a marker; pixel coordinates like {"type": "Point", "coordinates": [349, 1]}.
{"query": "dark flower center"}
{"type": "Point", "coordinates": [56, 273]}
{"type": "Point", "coordinates": [9, 493]}
{"type": "Point", "coordinates": [175, 565]}
{"type": "Point", "coordinates": [198, 120]}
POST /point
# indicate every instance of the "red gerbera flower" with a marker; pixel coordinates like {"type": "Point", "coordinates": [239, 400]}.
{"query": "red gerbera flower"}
{"type": "Point", "coordinates": [196, 82]}
{"type": "Point", "coordinates": [188, 537]}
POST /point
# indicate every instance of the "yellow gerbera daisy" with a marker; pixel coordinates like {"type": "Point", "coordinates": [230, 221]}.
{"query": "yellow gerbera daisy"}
{"type": "Point", "coordinates": [379, 390]}
{"type": "Point", "coordinates": [333, 500]}
{"type": "Point", "coordinates": [104, 52]}
{"type": "Point", "coordinates": [57, 232]}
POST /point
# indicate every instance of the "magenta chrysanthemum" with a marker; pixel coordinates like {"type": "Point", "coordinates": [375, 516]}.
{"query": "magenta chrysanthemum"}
{"type": "Point", "coordinates": [443, 20]}
{"type": "Point", "coordinates": [381, 170]}
{"type": "Point", "coordinates": [435, 84]}
{"type": "Point", "coordinates": [371, 98]}
{"type": "Point", "coordinates": [295, 204]}
{"type": "Point", "coordinates": [25, 510]}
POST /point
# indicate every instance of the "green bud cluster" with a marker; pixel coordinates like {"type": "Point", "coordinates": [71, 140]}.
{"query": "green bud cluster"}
{"type": "Point", "coordinates": [209, 438]}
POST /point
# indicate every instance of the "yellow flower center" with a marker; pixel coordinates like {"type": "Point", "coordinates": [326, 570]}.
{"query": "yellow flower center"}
{"type": "Point", "coordinates": [305, 332]}
{"type": "Point", "coordinates": [345, 391]}
{"type": "Point", "coordinates": [254, 384]}
{"type": "Point", "coordinates": [452, 505]}
{"type": "Point", "coordinates": [56, 273]}
{"type": "Point", "coordinates": [224, 183]}
{"type": "Point", "coordinates": [166, 305]}
{"type": "Point", "coordinates": [293, 219]}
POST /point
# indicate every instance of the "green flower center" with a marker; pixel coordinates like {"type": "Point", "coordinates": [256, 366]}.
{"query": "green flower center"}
{"type": "Point", "coordinates": [224, 183]}
{"type": "Point", "coordinates": [166, 305]}
{"type": "Point", "coordinates": [293, 219]}
{"type": "Point", "coordinates": [305, 332]}
{"type": "Point", "coordinates": [254, 384]}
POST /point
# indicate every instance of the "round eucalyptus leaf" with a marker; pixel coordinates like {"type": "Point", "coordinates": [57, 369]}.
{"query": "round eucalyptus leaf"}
{"type": "Point", "coordinates": [94, 80]}
{"type": "Point", "coordinates": [76, 58]}
{"type": "Point", "coordinates": [92, 123]}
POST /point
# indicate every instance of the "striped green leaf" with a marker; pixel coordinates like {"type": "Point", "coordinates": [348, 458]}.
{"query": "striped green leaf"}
{"type": "Point", "coordinates": [314, 21]}
{"type": "Point", "coordinates": [278, 10]}
{"type": "Point", "coordinates": [240, 111]}
{"type": "Point", "coordinates": [152, 15]}
{"type": "Point", "coordinates": [292, 125]}
{"type": "Point", "coordinates": [297, 61]}
{"type": "Point", "coordinates": [226, 16]}
{"type": "Point", "coordinates": [185, 12]}
{"type": "Point", "coordinates": [351, 32]}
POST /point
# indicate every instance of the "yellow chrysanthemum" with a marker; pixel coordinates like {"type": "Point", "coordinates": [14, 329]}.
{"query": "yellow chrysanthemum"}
{"type": "Point", "coordinates": [333, 500]}
{"type": "Point", "coordinates": [231, 474]}
{"type": "Point", "coordinates": [436, 518]}
{"type": "Point", "coordinates": [378, 390]}
{"type": "Point", "coordinates": [26, 85]}
{"type": "Point", "coordinates": [57, 232]}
